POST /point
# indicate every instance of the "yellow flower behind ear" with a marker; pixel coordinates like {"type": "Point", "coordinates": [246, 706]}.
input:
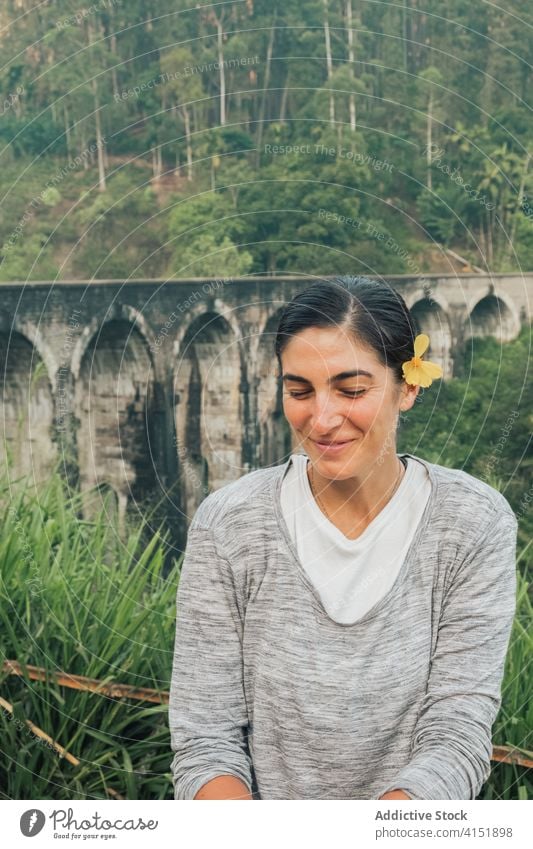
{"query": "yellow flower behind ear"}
{"type": "Point", "coordinates": [416, 371]}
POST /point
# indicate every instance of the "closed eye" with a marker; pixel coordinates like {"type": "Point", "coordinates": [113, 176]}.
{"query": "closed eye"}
{"type": "Point", "coordinates": [354, 394]}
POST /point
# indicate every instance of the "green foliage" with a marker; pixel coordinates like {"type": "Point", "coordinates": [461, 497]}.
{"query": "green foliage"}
{"type": "Point", "coordinates": [523, 244]}
{"type": "Point", "coordinates": [28, 258]}
{"type": "Point", "coordinates": [207, 257]}
{"type": "Point", "coordinates": [202, 231]}
{"type": "Point", "coordinates": [51, 196]}
{"type": "Point", "coordinates": [146, 85]}
{"type": "Point", "coordinates": [515, 718]}
{"type": "Point", "coordinates": [119, 229]}
{"type": "Point", "coordinates": [76, 597]}
{"type": "Point", "coordinates": [481, 422]}
{"type": "Point", "coordinates": [441, 212]}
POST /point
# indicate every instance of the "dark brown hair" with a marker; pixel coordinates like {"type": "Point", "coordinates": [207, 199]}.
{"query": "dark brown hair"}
{"type": "Point", "coordinates": [374, 312]}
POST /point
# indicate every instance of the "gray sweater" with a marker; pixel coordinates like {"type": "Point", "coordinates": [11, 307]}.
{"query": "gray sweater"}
{"type": "Point", "coordinates": [267, 687]}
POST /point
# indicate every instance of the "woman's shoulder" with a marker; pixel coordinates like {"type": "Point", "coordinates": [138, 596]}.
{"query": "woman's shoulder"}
{"type": "Point", "coordinates": [459, 490]}
{"type": "Point", "coordinates": [245, 499]}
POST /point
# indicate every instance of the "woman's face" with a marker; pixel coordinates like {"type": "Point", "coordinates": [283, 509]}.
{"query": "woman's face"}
{"type": "Point", "coordinates": [335, 391]}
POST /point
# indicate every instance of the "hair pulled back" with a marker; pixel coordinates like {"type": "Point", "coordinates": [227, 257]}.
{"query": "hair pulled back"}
{"type": "Point", "coordinates": [372, 311]}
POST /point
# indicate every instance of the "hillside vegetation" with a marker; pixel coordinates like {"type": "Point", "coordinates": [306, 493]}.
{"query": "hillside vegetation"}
{"type": "Point", "coordinates": [146, 139]}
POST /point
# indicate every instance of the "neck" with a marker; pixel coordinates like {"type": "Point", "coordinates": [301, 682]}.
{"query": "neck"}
{"type": "Point", "coordinates": [363, 494]}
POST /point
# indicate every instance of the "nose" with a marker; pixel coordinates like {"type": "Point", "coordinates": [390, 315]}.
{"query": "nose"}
{"type": "Point", "coordinates": [326, 416]}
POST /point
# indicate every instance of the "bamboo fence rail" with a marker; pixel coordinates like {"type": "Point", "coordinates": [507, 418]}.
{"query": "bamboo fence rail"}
{"type": "Point", "coordinates": [500, 754]}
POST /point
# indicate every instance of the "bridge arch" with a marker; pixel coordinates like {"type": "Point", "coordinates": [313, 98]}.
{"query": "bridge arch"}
{"type": "Point", "coordinates": [35, 337]}
{"type": "Point", "coordinates": [113, 399]}
{"type": "Point", "coordinates": [197, 312]}
{"type": "Point", "coordinates": [493, 315]}
{"type": "Point", "coordinates": [430, 317]}
{"type": "Point", "coordinates": [26, 408]}
{"type": "Point", "coordinates": [123, 312]}
{"type": "Point", "coordinates": [208, 407]}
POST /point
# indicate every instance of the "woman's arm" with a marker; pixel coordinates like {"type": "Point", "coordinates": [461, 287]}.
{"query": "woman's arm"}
{"type": "Point", "coordinates": [224, 787]}
{"type": "Point", "coordinates": [452, 744]}
{"type": "Point", "coordinates": [395, 794]}
{"type": "Point", "coordinates": [208, 717]}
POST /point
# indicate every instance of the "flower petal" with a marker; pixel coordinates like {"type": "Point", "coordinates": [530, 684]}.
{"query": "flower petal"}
{"type": "Point", "coordinates": [421, 375]}
{"type": "Point", "coordinates": [433, 370]}
{"type": "Point", "coordinates": [411, 373]}
{"type": "Point", "coordinates": [421, 344]}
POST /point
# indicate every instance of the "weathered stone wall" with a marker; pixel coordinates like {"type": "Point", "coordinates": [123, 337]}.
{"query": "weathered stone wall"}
{"type": "Point", "coordinates": [167, 389]}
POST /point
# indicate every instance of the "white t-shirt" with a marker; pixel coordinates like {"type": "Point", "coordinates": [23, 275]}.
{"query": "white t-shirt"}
{"type": "Point", "coordinates": [352, 575]}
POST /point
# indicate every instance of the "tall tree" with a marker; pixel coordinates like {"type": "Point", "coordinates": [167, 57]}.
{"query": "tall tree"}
{"type": "Point", "coordinates": [432, 79]}
{"type": "Point", "coordinates": [351, 60]}
{"type": "Point", "coordinates": [329, 61]}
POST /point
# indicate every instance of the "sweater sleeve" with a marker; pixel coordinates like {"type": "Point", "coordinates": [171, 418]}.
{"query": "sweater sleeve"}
{"type": "Point", "coordinates": [451, 746]}
{"type": "Point", "coordinates": [207, 712]}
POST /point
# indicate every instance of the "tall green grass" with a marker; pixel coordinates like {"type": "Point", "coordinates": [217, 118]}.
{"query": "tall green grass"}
{"type": "Point", "coordinates": [76, 597]}
{"type": "Point", "coordinates": [514, 723]}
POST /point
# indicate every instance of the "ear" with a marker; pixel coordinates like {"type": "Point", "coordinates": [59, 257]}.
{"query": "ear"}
{"type": "Point", "coordinates": [408, 394]}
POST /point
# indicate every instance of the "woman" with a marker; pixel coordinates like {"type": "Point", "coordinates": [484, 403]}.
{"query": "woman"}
{"type": "Point", "coordinates": [343, 618]}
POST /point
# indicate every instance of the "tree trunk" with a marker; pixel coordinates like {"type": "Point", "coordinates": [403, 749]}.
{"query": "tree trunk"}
{"type": "Point", "coordinates": [266, 83]}
{"type": "Point", "coordinates": [429, 141]}
{"type": "Point", "coordinates": [489, 240]}
{"type": "Point", "coordinates": [156, 163]}
{"type": "Point", "coordinates": [329, 62]}
{"type": "Point", "coordinates": [482, 244]}
{"type": "Point", "coordinates": [83, 151]}
{"type": "Point", "coordinates": [67, 131]}
{"type": "Point", "coordinates": [519, 201]}
{"type": "Point", "coordinates": [187, 125]}
{"type": "Point", "coordinates": [284, 95]}
{"type": "Point", "coordinates": [99, 140]}
{"type": "Point", "coordinates": [351, 60]}
{"type": "Point", "coordinates": [113, 48]}
{"type": "Point", "coordinates": [404, 35]}
{"type": "Point", "coordinates": [222, 73]}
{"type": "Point", "coordinates": [99, 137]}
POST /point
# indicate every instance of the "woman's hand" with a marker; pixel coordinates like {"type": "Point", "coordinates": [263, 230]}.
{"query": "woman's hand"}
{"type": "Point", "coordinates": [396, 794]}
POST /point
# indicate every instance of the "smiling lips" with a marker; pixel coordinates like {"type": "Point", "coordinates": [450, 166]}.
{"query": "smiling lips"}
{"type": "Point", "coordinates": [332, 447]}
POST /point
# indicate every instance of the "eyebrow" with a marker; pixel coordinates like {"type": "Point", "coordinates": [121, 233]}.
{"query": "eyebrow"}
{"type": "Point", "coordinates": [341, 376]}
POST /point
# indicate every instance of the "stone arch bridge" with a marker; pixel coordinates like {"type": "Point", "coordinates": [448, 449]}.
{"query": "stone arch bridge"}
{"type": "Point", "coordinates": [168, 388]}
